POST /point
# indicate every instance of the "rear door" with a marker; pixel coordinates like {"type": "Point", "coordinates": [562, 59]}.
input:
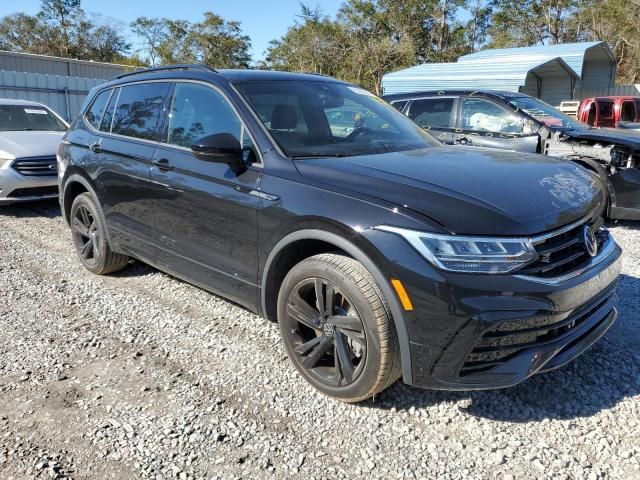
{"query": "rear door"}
{"type": "Point", "coordinates": [125, 154]}
{"type": "Point", "coordinates": [206, 215]}
{"type": "Point", "coordinates": [436, 115]}
{"type": "Point", "coordinates": [484, 123]}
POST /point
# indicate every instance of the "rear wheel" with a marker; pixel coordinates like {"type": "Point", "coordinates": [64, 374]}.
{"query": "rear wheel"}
{"type": "Point", "coordinates": [90, 239]}
{"type": "Point", "coordinates": [337, 329]}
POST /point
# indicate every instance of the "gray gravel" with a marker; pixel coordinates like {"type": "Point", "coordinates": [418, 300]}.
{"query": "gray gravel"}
{"type": "Point", "coordinates": [139, 375]}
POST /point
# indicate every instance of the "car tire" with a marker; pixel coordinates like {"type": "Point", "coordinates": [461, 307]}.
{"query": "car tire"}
{"type": "Point", "coordinates": [337, 329]}
{"type": "Point", "coordinates": [90, 238]}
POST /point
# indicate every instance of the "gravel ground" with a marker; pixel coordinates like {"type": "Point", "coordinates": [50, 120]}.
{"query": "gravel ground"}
{"type": "Point", "coordinates": [139, 375]}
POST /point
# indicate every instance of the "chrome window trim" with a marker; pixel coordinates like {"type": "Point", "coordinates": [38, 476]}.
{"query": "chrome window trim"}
{"type": "Point", "coordinates": [165, 144]}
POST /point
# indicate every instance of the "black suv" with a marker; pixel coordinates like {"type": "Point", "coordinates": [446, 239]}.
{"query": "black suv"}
{"type": "Point", "coordinates": [515, 121]}
{"type": "Point", "coordinates": [314, 203]}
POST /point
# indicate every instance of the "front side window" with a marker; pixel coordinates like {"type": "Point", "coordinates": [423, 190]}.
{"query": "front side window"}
{"type": "Point", "coordinates": [139, 109]}
{"type": "Point", "coordinates": [432, 112]}
{"type": "Point", "coordinates": [95, 112]}
{"type": "Point", "coordinates": [198, 111]}
{"type": "Point", "coordinates": [20, 118]}
{"type": "Point", "coordinates": [483, 116]}
{"type": "Point", "coordinates": [310, 118]}
{"type": "Point", "coordinates": [544, 113]}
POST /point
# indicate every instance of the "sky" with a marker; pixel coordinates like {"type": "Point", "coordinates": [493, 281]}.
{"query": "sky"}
{"type": "Point", "coordinates": [261, 20]}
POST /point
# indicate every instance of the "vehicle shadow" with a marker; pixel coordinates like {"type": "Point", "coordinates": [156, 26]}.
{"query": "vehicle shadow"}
{"type": "Point", "coordinates": [598, 380]}
{"type": "Point", "coordinates": [40, 208]}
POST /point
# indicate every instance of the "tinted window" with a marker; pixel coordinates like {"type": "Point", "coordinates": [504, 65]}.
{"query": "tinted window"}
{"type": "Point", "coordinates": [29, 117]}
{"type": "Point", "coordinates": [627, 111]}
{"type": "Point", "coordinates": [94, 114]}
{"type": "Point", "coordinates": [432, 112]}
{"type": "Point", "coordinates": [199, 111]}
{"type": "Point", "coordinates": [399, 105]}
{"type": "Point", "coordinates": [105, 124]}
{"type": "Point", "coordinates": [484, 116]}
{"type": "Point", "coordinates": [606, 109]}
{"type": "Point", "coordinates": [139, 109]}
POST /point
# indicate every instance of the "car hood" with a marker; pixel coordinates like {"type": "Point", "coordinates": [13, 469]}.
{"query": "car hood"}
{"type": "Point", "coordinates": [30, 143]}
{"type": "Point", "coordinates": [469, 190]}
{"type": "Point", "coordinates": [621, 136]}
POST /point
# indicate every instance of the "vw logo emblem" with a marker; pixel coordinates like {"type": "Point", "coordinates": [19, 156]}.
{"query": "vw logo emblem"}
{"type": "Point", "coordinates": [590, 241]}
{"type": "Point", "coordinates": [327, 329]}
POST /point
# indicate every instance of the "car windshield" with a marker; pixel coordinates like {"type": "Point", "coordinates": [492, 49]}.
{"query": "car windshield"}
{"type": "Point", "coordinates": [544, 113]}
{"type": "Point", "coordinates": [320, 118]}
{"type": "Point", "coordinates": [20, 118]}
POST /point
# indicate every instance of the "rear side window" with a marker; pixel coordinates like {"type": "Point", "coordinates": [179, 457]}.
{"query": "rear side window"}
{"type": "Point", "coordinates": [606, 109]}
{"type": "Point", "coordinates": [139, 109]}
{"type": "Point", "coordinates": [105, 124]}
{"type": "Point", "coordinates": [432, 112]}
{"type": "Point", "coordinates": [627, 111]}
{"type": "Point", "coordinates": [94, 114]}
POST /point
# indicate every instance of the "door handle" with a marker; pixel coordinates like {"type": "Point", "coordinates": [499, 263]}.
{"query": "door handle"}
{"type": "Point", "coordinates": [463, 141]}
{"type": "Point", "coordinates": [95, 147]}
{"type": "Point", "coordinates": [163, 164]}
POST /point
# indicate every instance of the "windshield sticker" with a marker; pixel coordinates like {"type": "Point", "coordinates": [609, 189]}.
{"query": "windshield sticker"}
{"type": "Point", "coordinates": [361, 91]}
{"type": "Point", "coordinates": [38, 112]}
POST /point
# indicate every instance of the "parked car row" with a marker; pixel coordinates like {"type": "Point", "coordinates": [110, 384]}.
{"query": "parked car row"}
{"type": "Point", "coordinates": [380, 252]}
{"type": "Point", "coordinates": [518, 122]}
{"type": "Point", "coordinates": [30, 134]}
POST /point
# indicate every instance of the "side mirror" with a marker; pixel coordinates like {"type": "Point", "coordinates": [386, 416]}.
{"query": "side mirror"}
{"type": "Point", "coordinates": [220, 148]}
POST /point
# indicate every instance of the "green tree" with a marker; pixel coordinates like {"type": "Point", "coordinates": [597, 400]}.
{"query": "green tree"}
{"type": "Point", "coordinates": [154, 32]}
{"type": "Point", "coordinates": [62, 16]}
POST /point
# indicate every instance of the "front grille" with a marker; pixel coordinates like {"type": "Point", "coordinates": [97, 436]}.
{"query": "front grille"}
{"type": "Point", "coordinates": [36, 166]}
{"type": "Point", "coordinates": [34, 192]}
{"type": "Point", "coordinates": [565, 252]}
{"type": "Point", "coordinates": [506, 340]}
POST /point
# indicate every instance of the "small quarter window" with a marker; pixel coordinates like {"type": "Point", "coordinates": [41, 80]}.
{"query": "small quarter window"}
{"type": "Point", "coordinates": [94, 114]}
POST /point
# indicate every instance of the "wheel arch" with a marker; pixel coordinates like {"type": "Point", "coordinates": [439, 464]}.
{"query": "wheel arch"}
{"type": "Point", "coordinates": [311, 242]}
{"type": "Point", "coordinates": [74, 185]}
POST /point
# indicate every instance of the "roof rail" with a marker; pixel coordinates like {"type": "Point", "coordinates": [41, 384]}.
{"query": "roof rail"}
{"type": "Point", "coordinates": [163, 68]}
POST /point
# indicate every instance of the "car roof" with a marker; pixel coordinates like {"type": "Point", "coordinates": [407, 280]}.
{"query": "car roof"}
{"type": "Point", "coordinates": [434, 93]}
{"type": "Point", "coordinates": [13, 101]}
{"type": "Point", "coordinates": [202, 72]}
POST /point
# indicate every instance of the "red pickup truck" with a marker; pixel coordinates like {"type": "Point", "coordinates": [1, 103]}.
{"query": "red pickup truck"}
{"type": "Point", "coordinates": [608, 111]}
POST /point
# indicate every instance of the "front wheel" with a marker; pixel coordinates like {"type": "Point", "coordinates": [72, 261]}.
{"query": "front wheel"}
{"type": "Point", "coordinates": [90, 238]}
{"type": "Point", "coordinates": [337, 329]}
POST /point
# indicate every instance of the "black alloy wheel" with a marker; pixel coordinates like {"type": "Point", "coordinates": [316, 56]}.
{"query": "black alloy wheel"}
{"type": "Point", "coordinates": [328, 336]}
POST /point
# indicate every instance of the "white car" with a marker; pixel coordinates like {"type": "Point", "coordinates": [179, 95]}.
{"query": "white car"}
{"type": "Point", "coordinates": [30, 134]}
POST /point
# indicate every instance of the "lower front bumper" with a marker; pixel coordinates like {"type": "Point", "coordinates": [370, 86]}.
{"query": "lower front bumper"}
{"type": "Point", "coordinates": [15, 187]}
{"type": "Point", "coordinates": [472, 333]}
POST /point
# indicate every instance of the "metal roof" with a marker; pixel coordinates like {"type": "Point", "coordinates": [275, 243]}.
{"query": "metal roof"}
{"type": "Point", "coordinates": [572, 53]}
{"type": "Point", "coordinates": [509, 76]}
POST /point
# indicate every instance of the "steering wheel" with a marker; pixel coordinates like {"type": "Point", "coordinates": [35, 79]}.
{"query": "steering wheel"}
{"type": "Point", "coordinates": [356, 133]}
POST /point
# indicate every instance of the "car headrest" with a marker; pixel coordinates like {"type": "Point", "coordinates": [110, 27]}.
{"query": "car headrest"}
{"type": "Point", "coordinates": [284, 117]}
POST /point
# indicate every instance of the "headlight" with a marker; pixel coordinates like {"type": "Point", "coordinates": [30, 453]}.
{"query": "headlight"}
{"type": "Point", "coordinates": [457, 253]}
{"type": "Point", "coordinates": [4, 160]}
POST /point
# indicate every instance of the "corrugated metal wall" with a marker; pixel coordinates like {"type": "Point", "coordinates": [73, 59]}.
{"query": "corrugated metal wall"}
{"type": "Point", "coordinates": [630, 90]}
{"type": "Point", "coordinates": [26, 62]}
{"type": "Point", "coordinates": [61, 93]}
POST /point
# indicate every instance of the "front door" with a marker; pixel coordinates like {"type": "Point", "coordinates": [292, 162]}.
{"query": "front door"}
{"type": "Point", "coordinates": [205, 213]}
{"type": "Point", "coordinates": [484, 123]}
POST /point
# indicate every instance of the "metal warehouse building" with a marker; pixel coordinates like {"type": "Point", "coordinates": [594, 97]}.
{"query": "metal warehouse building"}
{"type": "Point", "coordinates": [550, 72]}
{"type": "Point", "coordinates": [60, 83]}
